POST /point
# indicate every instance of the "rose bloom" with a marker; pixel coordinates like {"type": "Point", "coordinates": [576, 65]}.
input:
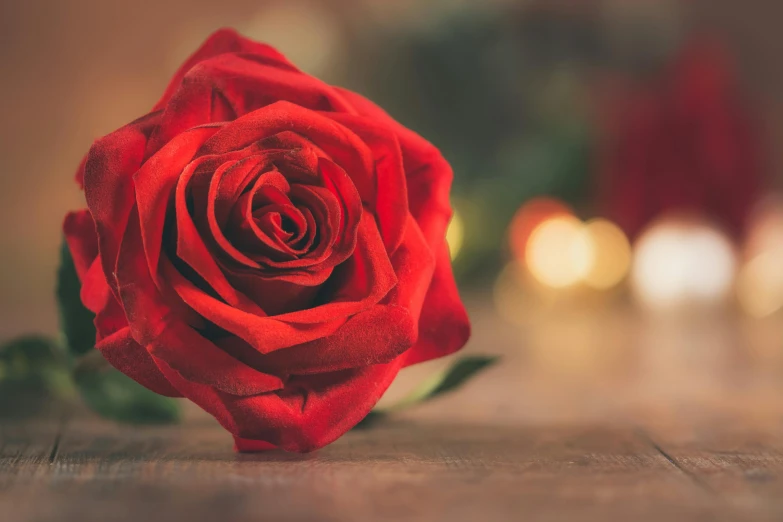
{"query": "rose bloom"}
{"type": "Point", "coordinates": [268, 246]}
{"type": "Point", "coordinates": [686, 141]}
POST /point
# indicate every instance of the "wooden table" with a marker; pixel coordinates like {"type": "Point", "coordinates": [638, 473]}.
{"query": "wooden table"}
{"type": "Point", "coordinates": [593, 415]}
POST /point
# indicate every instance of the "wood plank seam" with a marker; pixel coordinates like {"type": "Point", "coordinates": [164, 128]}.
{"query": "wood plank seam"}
{"type": "Point", "coordinates": [692, 476]}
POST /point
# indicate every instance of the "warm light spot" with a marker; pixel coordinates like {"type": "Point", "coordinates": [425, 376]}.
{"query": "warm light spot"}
{"type": "Point", "coordinates": [528, 217]}
{"type": "Point", "coordinates": [677, 262]}
{"type": "Point", "coordinates": [612, 254]}
{"type": "Point", "coordinates": [455, 235]}
{"type": "Point", "coordinates": [765, 227]}
{"type": "Point", "coordinates": [559, 254]}
{"type": "Point", "coordinates": [760, 284]}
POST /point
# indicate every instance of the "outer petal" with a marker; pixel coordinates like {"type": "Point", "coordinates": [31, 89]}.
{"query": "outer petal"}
{"type": "Point", "coordinates": [310, 413]}
{"type": "Point", "coordinates": [414, 264]}
{"type": "Point", "coordinates": [444, 326]}
{"type": "Point", "coordinates": [391, 199]}
{"type": "Point", "coordinates": [235, 85]}
{"type": "Point", "coordinates": [223, 41]}
{"type": "Point", "coordinates": [79, 230]}
{"type": "Point", "coordinates": [125, 354]}
{"type": "Point", "coordinates": [429, 175]}
{"type": "Point", "coordinates": [97, 297]}
{"type": "Point", "coordinates": [95, 294]}
{"type": "Point", "coordinates": [108, 186]}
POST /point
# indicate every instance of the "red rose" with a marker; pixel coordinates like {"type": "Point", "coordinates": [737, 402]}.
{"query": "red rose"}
{"type": "Point", "coordinates": [268, 246]}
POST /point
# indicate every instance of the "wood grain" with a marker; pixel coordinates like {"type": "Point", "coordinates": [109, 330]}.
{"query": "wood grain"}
{"type": "Point", "coordinates": [89, 470]}
{"type": "Point", "coordinates": [590, 416]}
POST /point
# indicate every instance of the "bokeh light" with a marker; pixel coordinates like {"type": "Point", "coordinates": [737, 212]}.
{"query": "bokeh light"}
{"type": "Point", "coordinates": [455, 235]}
{"type": "Point", "coordinates": [611, 259]}
{"type": "Point", "coordinates": [682, 261]}
{"type": "Point", "coordinates": [528, 217]}
{"type": "Point", "coordinates": [760, 284]}
{"type": "Point", "coordinates": [765, 228]}
{"type": "Point", "coordinates": [760, 281]}
{"type": "Point", "coordinates": [559, 254]}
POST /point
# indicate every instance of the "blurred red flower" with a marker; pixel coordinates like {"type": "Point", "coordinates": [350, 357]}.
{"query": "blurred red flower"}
{"type": "Point", "coordinates": [684, 141]}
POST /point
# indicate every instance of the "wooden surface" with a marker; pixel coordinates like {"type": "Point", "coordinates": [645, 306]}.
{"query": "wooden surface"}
{"type": "Point", "coordinates": [602, 415]}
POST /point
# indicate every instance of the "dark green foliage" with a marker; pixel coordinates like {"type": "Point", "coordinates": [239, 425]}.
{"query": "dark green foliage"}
{"type": "Point", "coordinates": [440, 383]}
{"type": "Point", "coordinates": [114, 396]}
{"type": "Point", "coordinates": [76, 322]}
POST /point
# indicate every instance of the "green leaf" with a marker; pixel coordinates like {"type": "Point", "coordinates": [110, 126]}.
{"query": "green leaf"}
{"type": "Point", "coordinates": [446, 380]}
{"type": "Point", "coordinates": [76, 321]}
{"type": "Point", "coordinates": [372, 418]}
{"type": "Point", "coordinates": [33, 349]}
{"type": "Point", "coordinates": [33, 360]}
{"type": "Point", "coordinates": [438, 384]}
{"type": "Point", "coordinates": [33, 375]}
{"type": "Point", "coordinates": [115, 396]}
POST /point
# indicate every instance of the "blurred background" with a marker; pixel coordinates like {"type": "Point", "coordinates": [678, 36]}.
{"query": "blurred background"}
{"type": "Point", "coordinates": [618, 233]}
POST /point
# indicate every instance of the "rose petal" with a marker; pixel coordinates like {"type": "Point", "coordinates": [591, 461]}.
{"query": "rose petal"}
{"type": "Point", "coordinates": [337, 211]}
{"type": "Point", "coordinates": [344, 147]}
{"type": "Point", "coordinates": [160, 324]}
{"type": "Point", "coordinates": [238, 175]}
{"type": "Point", "coordinates": [247, 82]}
{"type": "Point", "coordinates": [192, 250]}
{"type": "Point", "coordinates": [129, 357]}
{"type": "Point", "coordinates": [220, 42]}
{"type": "Point", "coordinates": [146, 306]}
{"type": "Point", "coordinates": [429, 175]}
{"type": "Point", "coordinates": [375, 336]}
{"type": "Point", "coordinates": [79, 177]}
{"type": "Point", "coordinates": [155, 183]}
{"type": "Point", "coordinates": [368, 278]}
{"type": "Point", "coordinates": [97, 297]}
{"type": "Point", "coordinates": [199, 361]}
{"type": "Point", "coordinates": [230, 181]}
{"type": "Point", "coordinates": [429, 184]}
{"type": "Point", "coordinates": [246, 230]}
{"type": "Point", "coordinates": [391, 200]}
{"type": "Point", "coordinates": [266, 334]}
{"type": "Point", "coordinates": [414, 265]}
{"type": "Point", "coordinates": [339, 183]}
{"type": "Point", "coordinates": [111, 163]}
{"type": "Point", "coordinates": [444, 326]}
{"type": "Point", "coordinates": [273, 295]}
{"type": "Point", "coordinates": [309, 413]}
{"type": "Point", "coordinates": [355, 285]}
{"type": "Point", "coordinates": [79, 230]}
{"type": "Point", "coordinates": [95, 292]}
